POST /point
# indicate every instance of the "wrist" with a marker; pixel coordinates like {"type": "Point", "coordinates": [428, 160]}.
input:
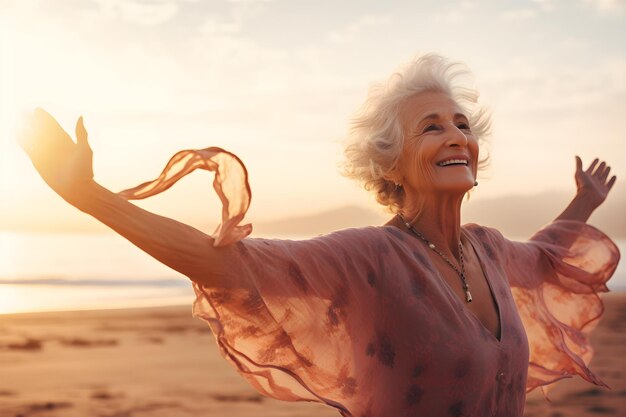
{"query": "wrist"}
{"type": "Point", "coordinates": [586, 201]}
{"type": "Point", "coordinates": [579, 209]}
{"type": "Point", "coordinates": [83, 194]}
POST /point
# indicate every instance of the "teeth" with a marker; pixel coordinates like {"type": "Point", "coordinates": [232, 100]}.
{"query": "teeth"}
{"type": "Point", "coordinates": [452, 161]}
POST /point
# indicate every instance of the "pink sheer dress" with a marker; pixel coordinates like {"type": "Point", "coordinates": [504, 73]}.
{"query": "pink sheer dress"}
{"type": "Point", "coordinates": [362, 321]}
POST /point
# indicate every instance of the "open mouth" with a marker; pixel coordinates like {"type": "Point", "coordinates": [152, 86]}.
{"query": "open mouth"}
{"type": "Point", "coordinates": [452, 162]}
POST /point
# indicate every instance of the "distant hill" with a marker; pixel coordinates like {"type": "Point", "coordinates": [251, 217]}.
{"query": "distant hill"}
{"type": "Point", "coordinates": [515, 216]}
{"type": "Point", "coordinates": [521, 216]}
{"type": "Point", "coordinates": [325, 222]}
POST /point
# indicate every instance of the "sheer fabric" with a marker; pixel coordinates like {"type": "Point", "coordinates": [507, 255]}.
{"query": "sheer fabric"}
{"type": "Point", "coordinates": [361, 320]}
{"type": "Point", "coordinates": [556, 279]}
{"type": "Point", "coordinates": [230, 184]}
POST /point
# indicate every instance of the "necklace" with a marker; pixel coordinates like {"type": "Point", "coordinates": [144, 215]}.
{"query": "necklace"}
{"type": "Point", "coordinates": [468, 294]}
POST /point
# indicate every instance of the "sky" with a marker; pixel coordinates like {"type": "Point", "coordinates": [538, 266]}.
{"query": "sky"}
{"type": "Point", "coordinates": [276, 82]}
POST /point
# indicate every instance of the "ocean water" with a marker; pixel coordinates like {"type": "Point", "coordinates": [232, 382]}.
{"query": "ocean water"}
{"type": "Point", "coordinates": [51, 272]}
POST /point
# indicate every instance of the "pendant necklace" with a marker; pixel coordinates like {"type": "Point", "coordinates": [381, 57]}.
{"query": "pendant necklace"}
{"type": "Point", "coordinates": [461, 273]}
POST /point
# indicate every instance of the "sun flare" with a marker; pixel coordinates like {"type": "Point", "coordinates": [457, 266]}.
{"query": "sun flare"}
{"type": "Point", "coordinates": [7, 100]}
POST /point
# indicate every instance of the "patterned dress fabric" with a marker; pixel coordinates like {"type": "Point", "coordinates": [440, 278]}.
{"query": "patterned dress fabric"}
{"type": "Point", "coordinates": [362, 321]}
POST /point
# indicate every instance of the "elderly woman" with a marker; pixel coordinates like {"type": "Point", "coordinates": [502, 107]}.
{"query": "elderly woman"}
{"type": "Point", "coordinates": [421, 316]}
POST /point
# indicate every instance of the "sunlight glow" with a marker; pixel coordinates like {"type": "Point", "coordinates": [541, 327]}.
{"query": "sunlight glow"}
{"type": "Point", "coordinates": [7, 96]}
{"type": "Point", "coordinates": [12, 299]}
{"type": "Point", "coordinates": [283, 105]}
{"type": "Point", "coordinates": [33, 298]}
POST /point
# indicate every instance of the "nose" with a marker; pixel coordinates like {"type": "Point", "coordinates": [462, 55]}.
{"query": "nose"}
{"type": "Point", "coordinates": [455, 137]}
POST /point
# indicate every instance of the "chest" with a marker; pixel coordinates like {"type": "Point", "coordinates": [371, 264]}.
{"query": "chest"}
{"type": "Point", "coordinates": [428, 337]}
{"type": "Point", "coordinates": [484, 306]}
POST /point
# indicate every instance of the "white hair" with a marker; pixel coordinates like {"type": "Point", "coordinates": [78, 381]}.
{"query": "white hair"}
{"type": "Point", "coordinates": [375, 139]}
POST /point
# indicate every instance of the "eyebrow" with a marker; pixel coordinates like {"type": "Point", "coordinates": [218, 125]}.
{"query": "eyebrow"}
{"type": "Point", "coordinates": [434, 116]}
{"type": "Point", "coordinates": [437, 116]}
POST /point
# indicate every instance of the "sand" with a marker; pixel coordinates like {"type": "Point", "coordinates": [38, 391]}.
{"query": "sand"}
{"type": "Point", "coordinates": [162, 362]}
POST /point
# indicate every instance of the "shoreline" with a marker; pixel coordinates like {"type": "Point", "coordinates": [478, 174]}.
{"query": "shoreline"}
{"type": "Point", "coordinates": [608, 295]}
{"type": "Point", "coordinates": [96, 311]}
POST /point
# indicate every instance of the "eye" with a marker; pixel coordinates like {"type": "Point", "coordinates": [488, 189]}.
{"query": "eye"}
{"type": "Point", "coordinates": [430, 128]}
{"type": "Point", "coordinates": [464, 126]}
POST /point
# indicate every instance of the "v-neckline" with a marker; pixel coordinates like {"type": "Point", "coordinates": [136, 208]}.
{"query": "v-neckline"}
{"type": "Point", "coordinates": [469, 313]}
{"type": "Point", "coordinates": [491, 290]}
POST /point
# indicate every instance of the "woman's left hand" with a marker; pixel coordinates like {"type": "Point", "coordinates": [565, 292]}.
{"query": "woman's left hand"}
{"type": "Point", "coordinates": [592, 184]}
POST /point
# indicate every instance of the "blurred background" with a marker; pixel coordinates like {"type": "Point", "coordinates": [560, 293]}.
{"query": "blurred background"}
{"type": "Point", "coordinates": [276, 82]}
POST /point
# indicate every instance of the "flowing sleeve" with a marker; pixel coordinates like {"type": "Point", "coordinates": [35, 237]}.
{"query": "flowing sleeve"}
{"type": "Point", "coordinates": [283, 312]}
{"type": "Point", "coordinates": [285, 320]}
{"type": "Point", "coordinates": [556, 279]}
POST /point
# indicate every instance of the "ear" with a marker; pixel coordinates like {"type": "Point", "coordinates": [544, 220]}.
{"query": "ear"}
{"type": "Point", "coordinates": [394, 176]}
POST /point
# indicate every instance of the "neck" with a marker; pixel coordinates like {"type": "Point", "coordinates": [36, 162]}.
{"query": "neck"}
{"type": "Point", "coordinates": [438, 218]}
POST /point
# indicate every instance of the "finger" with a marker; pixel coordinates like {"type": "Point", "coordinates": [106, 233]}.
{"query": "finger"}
{"type": "Point", "coordinates": [599, 170]}
{"type": "Point", "coordinates": [42, 119]}
{"type": "Point", "coordinates": [592, 166]}
{"type": "Point", "coordinates": [609, 185]}
{"type": "Point", "coordinates": [81, 132]}
{"type": "Point", "coordinates": [605, 173]}
{"type": "Point", "coordinates": [48, 131]}
{"type": "Point", "coordinates": [579, 164]}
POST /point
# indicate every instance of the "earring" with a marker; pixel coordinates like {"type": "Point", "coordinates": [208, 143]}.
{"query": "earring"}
{"type": "Point", "coordinates": [475, 183]}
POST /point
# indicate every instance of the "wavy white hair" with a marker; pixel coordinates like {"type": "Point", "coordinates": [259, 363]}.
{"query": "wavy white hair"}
{"type": "Point", "coordinates": [375, 139]}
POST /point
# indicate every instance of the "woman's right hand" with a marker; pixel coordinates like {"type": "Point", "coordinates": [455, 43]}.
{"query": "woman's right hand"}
{"type": "Point", "coordinates": [64, 165]}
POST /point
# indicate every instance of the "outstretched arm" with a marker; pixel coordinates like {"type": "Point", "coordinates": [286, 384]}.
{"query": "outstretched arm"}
{"type": "Point", "coordinates": [592, 189]}
{"type": "Point", "coordinates": [67, 168]}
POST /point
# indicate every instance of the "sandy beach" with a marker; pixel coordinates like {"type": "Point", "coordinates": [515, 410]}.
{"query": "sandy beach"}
{"type": "Point", "coordinates": [163, 362]}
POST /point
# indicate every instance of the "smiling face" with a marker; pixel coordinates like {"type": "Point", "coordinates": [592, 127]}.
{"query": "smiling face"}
{"type": "Point", "coordinates": [440, 153]}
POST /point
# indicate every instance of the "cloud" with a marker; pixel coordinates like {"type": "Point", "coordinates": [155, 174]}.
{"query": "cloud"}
{"type": "Point", "coordinates": [213, 25]}
{"type": "Point", "coordinates": [449, 16]}
{"type": "Point", "coordinates": [142, 12]}
{"type": "Point", "coordinates": [241, 11]}
{"type": "Point", "coordinates": [545, 5]}
{"type": "Point", "coordinates": [349, 33]}
{"type": "Point", "coordinates": [572, 43]}
{"type": "Point", "coordinates": [563, 89]}
{"type": "Point", "coordinates": [608, 7]}
{"type": "Point", "coordinates": [454, 14]}
{"type": "Point", "coordinates": [518, 14]}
